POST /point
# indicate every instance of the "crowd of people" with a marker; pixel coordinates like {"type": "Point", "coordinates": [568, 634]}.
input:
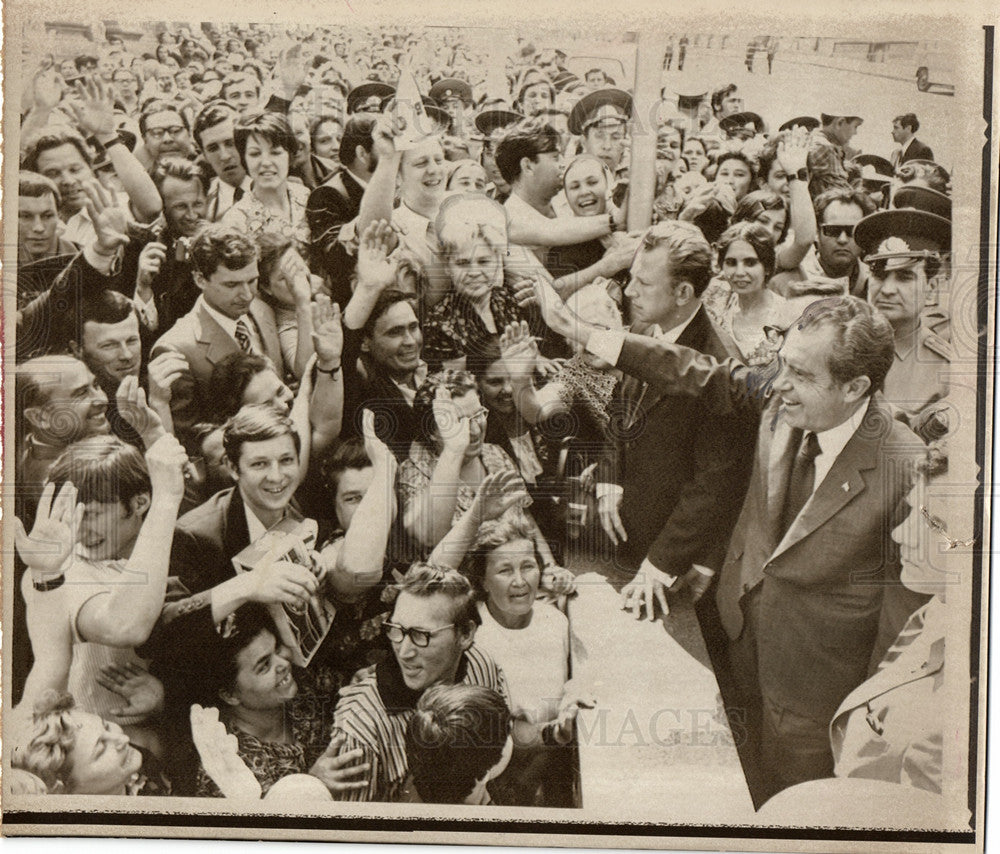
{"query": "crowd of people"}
{"type": "Point", "coordinates": [319, 388]}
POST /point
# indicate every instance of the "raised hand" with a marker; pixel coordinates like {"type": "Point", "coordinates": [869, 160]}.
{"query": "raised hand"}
{"type": "Point", "coordinates": [132, 406]}
{"type": "Point", "coordinates": [94, 107]}
{"type": "Point", "coordinates": [219, 754]}
{"type": "Point", "coordinates": [524, 291]}
{"type": "Point", "coordinates": [558, 317]}
{"type": "Point", "coordinates": [340, 771]}
{"type": "Point", "coordinates": [291, 70]}
{"type": "Point", "coordinates": [376, 271]}
{"type": "Point", "coordinates": [519, 349]}
{"type": "Point", "coordinates": [109, 220]}
{"type": "Point", "coordinates": [793, 150]}
{"type": "Point", "coordinates": [499, 491]}
{"type": "Point", "coordinates": [49, 545]}
{"type": "Point", "coordinates": [151, 261]}
{"type": "Point", "coordinates": [383, 137]}
{"type": "Point", "coordinates": [166, 461]}
{"type": "Point", "coordinates": [328, 333]}
{"type": "Point", "coordinates": [141, 690]}
{"type": "Point", "coordinates": [451, 427]}
{"type": "Point", "coordinates": [47, 89]}
{"type": "Point", "coordinates": [295, 271]}
{"type": "Point", "coordinates": [282, 582]}
{"type": "Point", "coordinates": [163, 372]}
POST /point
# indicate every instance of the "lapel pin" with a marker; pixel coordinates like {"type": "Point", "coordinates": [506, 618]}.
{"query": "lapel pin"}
{"type": "Point", "coordinates": [846, 487]}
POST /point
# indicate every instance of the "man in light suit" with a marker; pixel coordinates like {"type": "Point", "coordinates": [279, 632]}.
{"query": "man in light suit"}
{"type": "Point", "coordinates": [904, 129]}
{"type": "Point", "coordinates": [227, 318]}
{"type": "Point", "coordinates": [801, 588]}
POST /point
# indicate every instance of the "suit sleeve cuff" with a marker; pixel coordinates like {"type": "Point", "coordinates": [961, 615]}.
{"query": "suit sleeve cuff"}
{"type": "Point", "coordinates": [602, 489]}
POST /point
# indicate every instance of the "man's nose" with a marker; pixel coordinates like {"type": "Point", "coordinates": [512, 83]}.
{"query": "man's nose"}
{"type": "Point", "coordinates": [98, 395]}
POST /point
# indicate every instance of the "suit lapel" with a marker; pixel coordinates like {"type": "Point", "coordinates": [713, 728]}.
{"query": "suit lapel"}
{"type": "Point", "coordinates": [778, 447]}
{"type": "Point", "coordinates": [267, 329]}
{"type": "Point", "coordinates": [212, 336]}
{"type": "Point", "coordinates": [842, 484]}
{"type": "Point", "coordinates": [235, 533]}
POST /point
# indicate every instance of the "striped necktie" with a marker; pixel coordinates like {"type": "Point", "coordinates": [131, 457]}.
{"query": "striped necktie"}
{"type": "Point", "coordinates": [243, 336]}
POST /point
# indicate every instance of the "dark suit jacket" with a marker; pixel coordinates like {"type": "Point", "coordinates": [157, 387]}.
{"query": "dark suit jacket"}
{"type": "Point", "coordinates": [330, 206]}
{"type": "Point", "coordinates": [204, 343]}
{"type": "Point", "coordinates": [174, 290]}
{"type": "Point", "coordinates": [683, 470]}
{"type": "Point", "coordinates": [916, 150]}
{"type": "Point", "coordinates": [822, 583]}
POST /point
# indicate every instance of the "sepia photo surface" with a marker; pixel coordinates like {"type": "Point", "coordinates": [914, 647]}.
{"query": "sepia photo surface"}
{"type": "Point", "coordinates": [596, 402]}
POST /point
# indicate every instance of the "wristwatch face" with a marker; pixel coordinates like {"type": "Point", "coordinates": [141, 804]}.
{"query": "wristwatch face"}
{"type": "Point", "coordinates": [802, 174]}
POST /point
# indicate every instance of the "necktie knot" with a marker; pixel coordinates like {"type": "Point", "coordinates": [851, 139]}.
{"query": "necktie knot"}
{"type": "Point", "coordinates": [810, 447]}
{"type": "Point", "coordinates": [243, 336]}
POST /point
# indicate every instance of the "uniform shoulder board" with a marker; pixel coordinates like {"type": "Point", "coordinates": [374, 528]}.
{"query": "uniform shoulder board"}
{"type": "Point", "coordinates": [939, 341]}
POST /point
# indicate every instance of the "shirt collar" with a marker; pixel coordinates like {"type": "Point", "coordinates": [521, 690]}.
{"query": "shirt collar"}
{"type": "Point", "coordinates": [832, 441]}
{"type": "Point", "coordinates": [227, 323]}
{"type": "Point", "coordinates": [671, 335]}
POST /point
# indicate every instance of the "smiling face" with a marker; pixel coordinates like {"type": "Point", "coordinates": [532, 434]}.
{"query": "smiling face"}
{"type": "Point", "coordinates": [65, 165]}
{"type": "Point", "coordinates": [777, 179]}
{"type": "Point", "coordinates": [511, 581]}
{"type": "Point", "coordinates": [476, 268]}
{"type": "Point", "coordinates": [437, 663]}
{"type": "Point", "coordinates": [109, 529]}
{"type": "Point", "coordinates": [184, 205]}
{"type": "Point", "coordinates": [396, 340]}
{"type": "Point", "coordinates": [220, 152]}
{"type": "Point", "coordinates": [900, 294]}
{"type": "Point", "coordinates": [774, 222]}
{"type": "Point", "coordinates": [102, 759]}
{"type": "Point", "coordinates": [268, 475]}
{"type": "Point", "coordinates": [742, 268]}
{"type": "Point", "coordinates": [166, 134]}
{"type": "Point", "coordinates": [112, 350]}
{"type": "Point", "coordinates": [266, 387]}
{"type": "Point", "coordinates": [737, 175]}
{"type": "Point", "coordinates": [810, 397]}
{"type": "Point", "coordinates": [495, 388]}
{"type": "Point", "coordinates": [263, 676]}
{"type": "Point", "coordinates": [76, 407]}
{"type": "Point", "coordinates": [586, 188]}
{"type": "Point", "coordinates": [230, 292]}
{"type": "Point", "coordinates": [266, 162]}
{"type": "Point", "coordinates": [37, 218]}
{"type": "Point", "coordinates": [422, 175]}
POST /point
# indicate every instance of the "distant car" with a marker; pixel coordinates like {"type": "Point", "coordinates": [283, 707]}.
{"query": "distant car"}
{"type": "Point", "coordinates": [935, 66]}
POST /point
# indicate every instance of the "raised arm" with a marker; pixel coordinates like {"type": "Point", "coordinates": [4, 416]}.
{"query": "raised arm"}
{"type": "Point", "coordinates": [532, 228]}
{"type": "Point", "coordinates": [379, 195]}
{"type": "Point", "coordinates": [793, 152]}
{"type": "Point", "coordinates": [95, 114]}
{"type": "Point", "coordinates": [326, 403]}
{"type": "Point", "coordinates": [124, 616]}
{"type": "Point", "coordinates": [520, 355]}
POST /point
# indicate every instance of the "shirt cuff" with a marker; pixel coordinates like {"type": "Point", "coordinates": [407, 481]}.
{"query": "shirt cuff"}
{"type": "Point", "coordinates": [647, 564]}
{"type": "Point", "coordinates": [606, 344]}
{"type": "Point", "coordinates": [602, 489]}
{"type": "Point", "coordinates": [104, 264]}
{"type": "Point", "coordinates": [147, 311]}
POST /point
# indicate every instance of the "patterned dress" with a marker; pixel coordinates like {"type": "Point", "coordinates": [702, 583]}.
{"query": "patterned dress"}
{"type": "Point", "coordinates": [251, 217]}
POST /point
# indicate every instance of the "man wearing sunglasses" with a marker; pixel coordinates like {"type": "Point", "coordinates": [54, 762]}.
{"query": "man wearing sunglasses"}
{"type": "Point", "coordinates": [833, 266]}
{"type": "Point", "coordinates": [431, 630]}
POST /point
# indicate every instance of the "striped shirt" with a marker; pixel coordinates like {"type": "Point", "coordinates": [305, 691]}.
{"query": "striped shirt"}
{"type": "Point", "coordinates": [372, 714]}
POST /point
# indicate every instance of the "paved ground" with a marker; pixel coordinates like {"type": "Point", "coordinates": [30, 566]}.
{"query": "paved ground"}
{"type": "Point", "coordinates": [796, 89]}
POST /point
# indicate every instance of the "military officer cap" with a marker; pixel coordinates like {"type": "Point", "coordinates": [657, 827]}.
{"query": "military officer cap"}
{"type": "Point", "coordinates": [902, 237]}
{"type": "Point", "coordinates": [368, 97]}
{"type": "Point", "coordinates": [605, 106]}
{"type": "Point", "coordinates": [451, 88]}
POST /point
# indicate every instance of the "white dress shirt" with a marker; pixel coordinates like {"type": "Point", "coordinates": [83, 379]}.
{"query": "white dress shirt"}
{"type": "Point", "coordinates": [229, 326]}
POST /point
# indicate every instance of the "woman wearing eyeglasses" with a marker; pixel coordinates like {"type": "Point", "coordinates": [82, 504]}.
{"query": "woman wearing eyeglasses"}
{"type": "Point", "coordinates": [281, 719]}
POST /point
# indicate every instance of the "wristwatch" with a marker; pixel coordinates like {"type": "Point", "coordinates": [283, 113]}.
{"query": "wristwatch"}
{"type": "Point", "coordinates": [801, 175]}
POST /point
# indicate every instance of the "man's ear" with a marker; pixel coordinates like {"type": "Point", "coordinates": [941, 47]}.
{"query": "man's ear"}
{"type": "Point", "coordinates": [526, 164]}
{"type": "Point", "coordinates": [140, 503]}
{"type": "Point", "coordinates": [76, 350]}
{"type": "Point", "coordinates": [365, 345]}
{"type": "Point", "coordinates": [228, 697]}
{"type": "Point", "coordinates": [684, 293]}
{"type": "Point", "coordinates": [199, 280]}
{"type": "Point", "coordinates": [858, 388]}
{"type": "Point", "coordinates": [466, 637]}
{"type": "Point", "coordinates": [36, 417]}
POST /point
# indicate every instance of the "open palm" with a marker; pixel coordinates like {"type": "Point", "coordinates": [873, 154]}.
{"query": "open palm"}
{"type": "Point", "coordinates": [53, 535]}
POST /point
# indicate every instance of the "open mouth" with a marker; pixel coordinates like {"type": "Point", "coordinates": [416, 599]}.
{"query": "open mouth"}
{"type": "Point", "coordinates": [587, 203]}
{"type": "Point", "coordinates": [274, 490]}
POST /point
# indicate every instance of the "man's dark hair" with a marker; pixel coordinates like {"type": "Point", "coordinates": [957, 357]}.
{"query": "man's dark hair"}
{"type": "Point", "coordinates": [180, 170]}
{"type": "Point", "coordinates": [456, 735]}
{"type": "Point", "coordinates": [908, 120]}
{"type": "Point", "coordinates": [357, 131]}
{"type": "Point", "coordinates": [844, 195]}
{"type": "Point", "coordinates": [386, 300]}
{"type": "Point", "coordinates": [103, 469]}
{"type": "Point", "coordinates": [257, 422]}
{"type": "Point", "coordinates": [720, 95]}
{"type": "Point", "coordinates": [350, 454]}
{"type": "Point", "coordinates": [106, 306]}
{"type": "Point", "coordinates": [35, 186]}
{"type": "Point", "coordinates": [212, 114]}
{"type": "Point", "coordinates": [863, 343]}
{"type": "Point", "coordinates": [158, 105]}
{"type": "Point", "coordinates": [528, 138]}
{"type": "Point", "coordinates": [216, 244]}
{"type": "Point", "coordinates": [56, 139]}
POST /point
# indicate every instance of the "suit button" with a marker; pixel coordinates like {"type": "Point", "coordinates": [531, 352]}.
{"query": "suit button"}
{"type": "Point", "coordinates": [746, 587]}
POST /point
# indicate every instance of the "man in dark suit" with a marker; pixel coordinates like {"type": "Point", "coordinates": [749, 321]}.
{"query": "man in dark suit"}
{"type": "Point", "coordinates": [801, 588]}
{"type": "Point", "coordinates": [681, 472]}
{"type": "Point", "coordinates": [227, 318]}
{"type": "Point", "coordinates": [338, 201]}
{"type": "Point", "coordinates": [904, 129]}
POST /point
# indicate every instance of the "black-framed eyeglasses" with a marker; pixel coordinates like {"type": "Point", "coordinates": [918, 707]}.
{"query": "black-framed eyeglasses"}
{"type": "Point", "coordinates": [418, 637]}
{"type": "Point", "coordinates": [834, 230]}
{"type": "Point", "coordinates": [158, 133]}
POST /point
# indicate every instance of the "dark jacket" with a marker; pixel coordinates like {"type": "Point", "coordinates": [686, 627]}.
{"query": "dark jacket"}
{"type": "Point", "coordinates": [330, 207]}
